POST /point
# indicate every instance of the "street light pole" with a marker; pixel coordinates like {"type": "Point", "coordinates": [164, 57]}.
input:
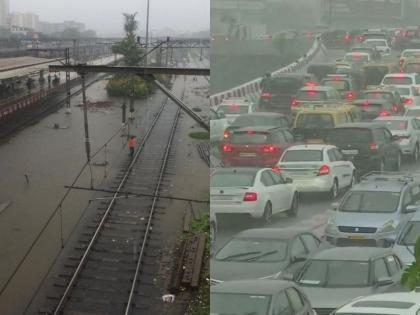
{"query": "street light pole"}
{"type": "Point", "coordinates": [147, 32]}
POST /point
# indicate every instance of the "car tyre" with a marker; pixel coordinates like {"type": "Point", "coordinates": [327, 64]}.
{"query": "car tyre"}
{"type": "Point", "coordinates": [292, 212]}
{"type": "Point", "coordinates": [267, 217]}
{"type": "Point", "coordinates": [334, 191]}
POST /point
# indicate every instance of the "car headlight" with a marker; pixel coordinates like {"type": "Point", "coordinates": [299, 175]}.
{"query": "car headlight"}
{"type": "Point", "coordinates": [387, 227]}
{"type": "Point", "coordinates": [331, 228]}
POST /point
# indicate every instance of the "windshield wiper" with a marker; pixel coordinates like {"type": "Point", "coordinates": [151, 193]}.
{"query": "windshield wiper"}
{"type": "Point", "coordinates": [262, 255]}
{"type": "Point", "coordinates": [239, 255]}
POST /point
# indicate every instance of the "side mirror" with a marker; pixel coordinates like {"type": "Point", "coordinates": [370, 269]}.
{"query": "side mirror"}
{"type": "Point", "coordinates": [384, 281]}
{"type": "Point", "coordinates": [334, 206]}
{"type": "Point", "coordinates": [288, 180]}
{"type": "Point", "coordinates": [410, 209]}
{"type": "Point", "coordinates": [395, 138]}
{"type": "Point", "coordinates": [288, 276]}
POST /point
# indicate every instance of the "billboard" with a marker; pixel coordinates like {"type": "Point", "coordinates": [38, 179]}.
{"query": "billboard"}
{"type": "Point", "coordinates": [363, 8]}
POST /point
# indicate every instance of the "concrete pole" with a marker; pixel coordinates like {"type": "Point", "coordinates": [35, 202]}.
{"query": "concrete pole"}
{"type": "Point", "coordinates": [147, 34]}
{"type": "Point", "coordinates": [85, 117]}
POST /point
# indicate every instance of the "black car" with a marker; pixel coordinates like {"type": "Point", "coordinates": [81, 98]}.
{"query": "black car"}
{"type": "Point", "coordinates": [374, 108]}
{"type": "Point", "coordinates": [278, 92]}
{"type": "Point", "coordinates": [370, 147]}
{"type": "Point", "coordinates": [320, 70]}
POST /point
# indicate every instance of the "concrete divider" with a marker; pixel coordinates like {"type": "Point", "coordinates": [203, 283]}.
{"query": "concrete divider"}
{"type": "Point", "coordinates": [252, 89]}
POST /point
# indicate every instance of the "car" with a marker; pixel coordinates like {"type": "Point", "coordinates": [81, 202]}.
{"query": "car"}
{"type": "Point", "coordinates": [380, 44]}
{"type": "Point", "coordinates": [374, 53]}
{"type": "Point", "coordinates": [401, 79]}
{"type": "Point", "coordinates": [413, 111]}
{"type": "Point", "coordinates": [406, 239]}
{"type": "Point", "coordinates": [411, 65]}
{"type": "Point", "coordinates": [374, 34]}
{"type": "Point", "coordinates": [358, 59]}
{"type": "Point", "coordinates": [373, 108]}
{"type": "Point", "coordinates": [346, 85]}
{"type": "Point", "coordinates": [318, 168]}
{"type": "Point", "coordinates": [213, 228]}
{"type": "Point", "coordinates": [375, 72]}
{"type": "Point", "coordinates": [335, 276]}
{"type": "Point", "coordinates": [255, 146]}
{"type": "Point", "coordinates": [408, 131]}
{"type": "Point", "coordinates": [409, 94]}
{"type": "Point", "coordinates": [315, 123]}
{"type": "Point", "coordinates": [402, 303]}
{"type": "Point", "coordinates": [258, 297]}
{"type": "Point", "coordinates": [408, 53]}
{"type": "Point", "coordinates": [371, 147]}
{"type": "Point", "coordinates": [218, 124]}
{"type": "Point", "coordinates": [316, 93]}
{"type": "Point", "coordinates": [373, 211]}
{"type": "Point", "coordinates": [389, 93]}
{"type": "Point", "coordinates": [257, 119]}
{"type": "Point", "coordinates": [256, 192]}
{"type": "Point", "coordinates": [264, 253]}
{"type": "Point", "coordinates": [278, 92]}
{"type": "Point", "coordinates": [320, 70]}
{"type": "Point", "coordinates": [232, 108]}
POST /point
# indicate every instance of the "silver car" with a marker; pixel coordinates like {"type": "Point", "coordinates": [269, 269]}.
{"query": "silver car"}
{"type": "Point", "coordinates": [408, 131]}
{"type": "Point", "coordinates": [406, 239]}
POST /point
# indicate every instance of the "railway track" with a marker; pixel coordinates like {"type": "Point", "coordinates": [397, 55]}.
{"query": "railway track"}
{"type": "Point", "coordinates": [114, 266]}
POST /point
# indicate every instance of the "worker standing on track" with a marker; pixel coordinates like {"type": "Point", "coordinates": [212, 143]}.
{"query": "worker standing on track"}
{"type": "Point", "coordinates": [132, 143]}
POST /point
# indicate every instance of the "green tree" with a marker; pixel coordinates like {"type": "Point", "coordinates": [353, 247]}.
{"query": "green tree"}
{"type": "Point", "coordinates": [411, 276]}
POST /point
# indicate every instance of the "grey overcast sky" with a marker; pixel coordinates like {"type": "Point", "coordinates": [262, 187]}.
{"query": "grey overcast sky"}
{"type": "Point", "coordinates": [105, 16]}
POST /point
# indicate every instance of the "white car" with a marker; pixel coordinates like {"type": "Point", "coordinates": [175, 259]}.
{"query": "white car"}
{"type": "Point", "coordinates": [234, 107]}
{"type": "Point", "coordinates": [257, 192]}
{"type": "Point", "coordinates": [401, 303]}
{"type": "Point", "coordinates": [409, 53]}
{"type": "Point", "coordinates": [401, 79]}
{"type": "Point", "coordinates": [380, 44]}
{"type": "Point", "coordinates": [406, 239]}
{"type": "Point", "coordinates": [218, 125]}
{"type": "Point", "coordinates": [318, 168]}
{"type": "Point", "coordinates": [409, 94]}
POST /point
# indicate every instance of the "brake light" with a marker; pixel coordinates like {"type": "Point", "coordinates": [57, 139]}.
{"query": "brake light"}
{"type": "Point", "coordinates": [226, 134]}
{"type": "Point", "coordinates": [324, 170]}
{"type": "Point", "coordinates": [347, 38]}
{"type": "Point", "coordinates": [350, 95]}
{"type": "Point", "coordinates": [227, 148]}
{"type": "Point", "coordinates": [394, 108]}
{"type": "Point", "coordinates": [276, 169]}
{"type": "Point", "coordinates": [408, 101]}
{"type": "Point", "coordinates": [373, 146]}
{"type": "Point", "coordinates": [270, 149]}
{"type": "Point", "coordinates": [250, 132]}
{"type": "Point", "coordinates": [384, 114]}
{"type": "Point", "coordinates": [250, 196]}
{"type": "Point", "coordinates": [295, 103]}
{"type": "Point", "coordinates": [365, 104]}
{"type": "Point", "coordinates": [234, 106]}
{"type": "Point", "coordinates": [266, 96]}
{"type": "Point", "coordinates": [311, 83]}
{"type": "Point", "coordinates": [360, 38]}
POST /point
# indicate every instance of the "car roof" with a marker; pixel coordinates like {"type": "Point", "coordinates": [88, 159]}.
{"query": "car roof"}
{"type": "Point", "coordinates": [230, 170]}
{"type": "Point", "coordinates": [310, 147]}
{"type": "Point", "coordinates": [359, 53]}
{"type": "Point", "coordinates": [277, 233]}
{"type": "Point", "coordinates": [351, 253]}
{"type": "Point", "coordinates": [366, 125]}
{"type": "Point", "coordinates": [385, 186]}
{"type": "Point", "coordinates": [317, 88]}
{"type": "Point", "coordinates": [261, 287]}
{"type": "Point", "coordinates": [257, 129]}
{"type": "Point", "coordinates": [400, 75]}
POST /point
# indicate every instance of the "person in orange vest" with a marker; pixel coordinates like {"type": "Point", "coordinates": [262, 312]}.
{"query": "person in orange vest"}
{"type": "Point", "coordinates": [132, 142]}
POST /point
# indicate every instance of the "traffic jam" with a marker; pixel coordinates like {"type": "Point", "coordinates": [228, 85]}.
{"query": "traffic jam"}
{"type": "Point", "coordinates": [346, 132]}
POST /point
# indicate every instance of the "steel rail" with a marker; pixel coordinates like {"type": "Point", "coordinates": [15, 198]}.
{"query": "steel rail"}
{"type": "Point", "coordinates": [73, 279]}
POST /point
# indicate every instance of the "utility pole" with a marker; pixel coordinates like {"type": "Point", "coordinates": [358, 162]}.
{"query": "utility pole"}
{"type": "Point", "coordinates": [147, 34]}
{"type": "Point", "coordinates": [68, 97]}
{"type": "Point", "coordinates": [87, 139]}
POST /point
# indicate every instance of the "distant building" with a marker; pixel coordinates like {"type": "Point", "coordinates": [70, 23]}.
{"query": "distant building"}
{"type": "Point", "coordinates": [76, 25]}
{"type": "Point", "coordinates": [25, 20]}
{"type": "Point", "coordinates": [4, 13]}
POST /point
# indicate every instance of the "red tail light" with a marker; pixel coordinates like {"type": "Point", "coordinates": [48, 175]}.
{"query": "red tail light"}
{"type": "Point", "coordinates": [270, 149]}
{"type": "Point", "coordinates": [295, 103]}
{"type": "Point", "coordinates": [276, 169]}
{"type": "Point", "coordinates": [360, 38]}
{"type": "Point", "coordinates": [384, 114]}
{"type": "Point", "coordinates": [394, 108]}
{"type": "Point", "coordinates": [250, 196]}
{"type": "Point", "coordinates": [373, 146]}
{"type": "Point", "coordinates": [350, 95]}
{"type": "Point", "coordinates": [226, 134]}
{"type": "Point", "coordinates": [266, 96]}
{"type": "Point", "coordinates": [347, 38]}
{"type": "Point", "coordinates": [227, 148]}
{"type": "Point", "coordinates": [408, 101]}
{"type": "Point", "coordinates": [324, 170]}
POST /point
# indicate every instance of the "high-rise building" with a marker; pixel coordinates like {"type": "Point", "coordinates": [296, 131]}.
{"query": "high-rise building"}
{"type": "Point", "coordinates": [4, 13]}
{"type": "Point", "coordinates": [25, 20]}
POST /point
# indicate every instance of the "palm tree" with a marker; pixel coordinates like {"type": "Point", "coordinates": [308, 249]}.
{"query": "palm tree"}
{"type": "Point", "coordinates": [411, 276]}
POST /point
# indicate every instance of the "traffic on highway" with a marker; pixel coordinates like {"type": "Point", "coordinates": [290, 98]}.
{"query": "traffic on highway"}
{"type": "Point", "coordinates": [315, 183]}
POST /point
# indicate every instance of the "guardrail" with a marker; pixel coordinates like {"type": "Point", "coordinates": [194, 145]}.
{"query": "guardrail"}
{"type": "Point", "coordinates": [252, 88]}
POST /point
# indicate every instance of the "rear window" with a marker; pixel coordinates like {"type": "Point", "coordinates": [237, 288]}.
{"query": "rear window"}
{"type": "Point", "coordinates": [345, 135]}
{"type": "Point", "coordinates": [245, 121]}
{"type": "Point", "coordinates": [302, 156]}
{"type": "Point", "coordinates": [248, 137]}
{"type": "Point", "coordinates": [233, 109]}
{"type": "Point", "coordinates": [311, 95]}
{"type": "Point", "coordinates": [377, 96]}
{"type": "Point", "coordinates": [315, 121]}
{"type": "Point", "coordinates": [398, 80]}
{"type": "Point", "coordinates": [413, 67]}
{"type": "Point", "coordinates": [393, 124]}
{"type": "Point", "coordinates": [356, 57]}
{"type": "Point", "coordinates": [411, 54]}
{"type": "Point", "coordinates": [231, 179]}
{"type": "Point", "coordinates": [403, 91]}
{"type": "Point", "coordinates": [283, 85]}
{"type": "Point", "coordinates": [371, 202]}
{"type": "Point", "coordinates": [337, 84]}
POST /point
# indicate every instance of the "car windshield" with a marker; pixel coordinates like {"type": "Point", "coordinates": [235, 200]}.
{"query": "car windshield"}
{"type": "Point", "coordinates": [350, 135]}
{"type": "Point", "coordinates": [239, 304]}
{"type": "Point", "coordinates": [233, 109]}
{"type": "Point", "coordinates": [302, 156]}
{"type": "Point", "coordinates": [245, 121]}
{"type": "Point", "coordinates": [340, 85]}
{"type": "Point", "coordinates": [249, 137]}
{"type": "Point", "coordinates": [335, 273]}
{"type": "Point", "coordinates": [315, 121]}
{"type": "Point", "coordinates": [377, 96]}
{"type": "Point", "coordinates": [253, 250]}
{"type": "Point", "coordinates": [371, 202]}
{"type": "Point", "coordinates": [413, 67]}
{"type": "Point", "coordinates": [413, 112]}
{"type": "Point", "coordinates": [393, 124]}
{"type": "Point", "coordinates": [311, 95]}
{"type": "Point", "coordinates": [403, 91]}
{"type": "Point", "coordinates": [232, 179]}
{"type": "Point", "coordinates": [411, 234]}
{"type": "Point", "coordinates": [398, 80]}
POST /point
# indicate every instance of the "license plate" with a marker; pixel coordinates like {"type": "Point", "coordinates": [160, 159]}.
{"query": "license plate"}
{"type": "Point", "coordinates": [350, 152]}
{"type": "Point", "coordinates": [356, 237]}
{"type": "Point", "coordinates": [222, 197]}
{"type": "Point", "coordinates": [247, 154]}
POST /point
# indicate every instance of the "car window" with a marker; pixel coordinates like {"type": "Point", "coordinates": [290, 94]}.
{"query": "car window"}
{"type": "Point", "coordinates": [417, 79]}
{"type": "Point", "coordinates": [310, 241]}
{"type": "Point", "coordinates": [393, 265]}
{"type": "Point", "coordinates": [415, 194]}
{"type": "Point", "coordinates": [331, 155]}
{"type": "Point", "coordinates": [277, 178]}
{"type": "Point", "coordinates": [388, 135]}
{"type": "Point", "coordinates": [379, 135]}
{"type": "Point", "coordinates": [266, 179]}
{"type": "Point", "coordinates": [338, 155]}
{"type": "Point", "coordinates": [298, 248]}
{"type": "Point", "coordinates": [341, 118]}
{"type": "Point", "coordinates": [348, 117]}
{"type": "Point", "coordinates": [295, 300]}
{"type": "Point", "coordinates": [288, 136]}
{"type": "Point", "coordinates": [283, 306]}
{"type": "Point", "coordinates": [407, 199]}
{"type": "Point", "coordinates": [278, 137]}
{"type": "Point", "coordinates": [380, 268]}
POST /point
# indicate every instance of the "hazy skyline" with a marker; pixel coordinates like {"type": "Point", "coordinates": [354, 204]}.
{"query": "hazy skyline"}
{"type": "Point", "coordinates": [105, 16]}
